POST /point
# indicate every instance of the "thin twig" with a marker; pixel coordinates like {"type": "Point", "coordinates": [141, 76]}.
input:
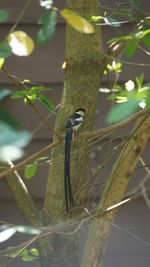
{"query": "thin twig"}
{"type": "Point", "coordinates": [29, 159]}
{"type": "Point", "coordinates": [87, 135]}
{"type": "Point", "coordinates": [78, 223]}
{"type": "Point", "coordinates": [20, 16]}
{"type": "Point", "coordinates": [114, 127]}
{"type": "Point", "coordinates": [41, 123]}
{"type": "Point", "coordinates": [19, 85]}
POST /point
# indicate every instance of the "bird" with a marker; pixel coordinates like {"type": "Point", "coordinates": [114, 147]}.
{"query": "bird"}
{"type": "Point", "coordinates": [72, 125]}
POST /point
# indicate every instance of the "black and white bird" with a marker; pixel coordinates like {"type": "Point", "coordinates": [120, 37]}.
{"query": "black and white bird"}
{"type": "Point", "coordinates": [72, 125]}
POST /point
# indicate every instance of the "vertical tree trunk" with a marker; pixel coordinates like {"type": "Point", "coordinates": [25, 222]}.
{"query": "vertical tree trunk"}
{"type": "Point", "coordinates": [82, 81]}
{"type": "Point", "coordinates": [113, 193]}
{"type": "Point", "coordinates": [83, 75]}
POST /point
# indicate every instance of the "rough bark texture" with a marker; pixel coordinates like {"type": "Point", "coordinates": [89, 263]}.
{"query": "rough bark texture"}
{"type": "Point", "coordinates": [82, 81]}
{"type": "Point", "coordinates": [113, 193]}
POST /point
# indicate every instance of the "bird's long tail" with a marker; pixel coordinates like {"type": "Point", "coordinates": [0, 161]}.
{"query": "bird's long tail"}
{"type": "Point", "coordinates": [67, 182]}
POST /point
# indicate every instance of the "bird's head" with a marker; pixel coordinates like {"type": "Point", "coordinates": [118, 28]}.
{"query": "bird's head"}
{"type": "Point", "coordinates": [81, 111]}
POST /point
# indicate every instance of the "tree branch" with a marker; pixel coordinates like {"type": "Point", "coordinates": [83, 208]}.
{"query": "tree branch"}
{"type": "Point", "coordinates": [29, 159]}
{"type": "Point", "coordinates": [22, 197]}
{"type": "Point", "coordinates": [19, 85]}
{"type": "Point", "coordinates": [114, 127]}
{"type": "Point", "coordinates": [114, 190]}
{"type": "Point", "coordinates": [86, 135]}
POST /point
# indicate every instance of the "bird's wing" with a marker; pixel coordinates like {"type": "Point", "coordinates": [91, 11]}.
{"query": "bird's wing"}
{"type": "Point", "coordinates": [74, 120]}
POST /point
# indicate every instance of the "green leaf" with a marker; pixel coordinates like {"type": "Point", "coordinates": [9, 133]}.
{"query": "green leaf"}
{"type": "Point", "coordinates": [76, 21]}
{"type": "Point", "coordinates": [122, 111]}
{"type": "Point", "coordinates": [38, 89]}
{"type": "Point", "coordinates": [121, 38]}
{"type": "Point", "coordinates": [137, 36]}
{"type": "Point", "coordinates": [34, 252]}
{"type": "Point", "coordinates": [41, 158]}
{"type": "Point", "coordinates": [15, 253]}
{"type": "Point", "coordinates": [9, 119]}
{"type": "Point", "coordinates": [44, 100]}
{"type": "Point", "coordinates": [30, 171]}
{"type": "Point", "coordinates": [148, 100]}
{"type": "Point", "coordinates": [6, 234]}
{"type": "Point", "coordinates": [26, 81]}
{"type": "Point", "coordinates": [49, 20]}
{"type": "Point", "coordinates": [28, 258]}
{"type": "Point", "coordinates": [2, 60]}
{"type": "Point", "coordinates": [146, 87]}
{"type": "Point", "coordinates": [146, 41]}
{"type": "Point", "coordinates": [135, 4]}
{"type": "Point", "coordinates": [131, 47]}
{"type": "Point", "coordinates": [96, 18]}
{"type": "Point", "coordinates": [24, 253]}
{"type": "Point", "coordinates": [19, 94]}
{"type": "Point", "coordinates": [3, 15]}
{"type": "Point", "coordinates": [4, 92]}
{"type": "Point", "coordinates": [139, 81]}
{"type": "Point", "coordinates": [5, 50]}
{"type": "Point", "coordinates": [111, 22]}
{"type": "Point", "coordinates": [30, 99]}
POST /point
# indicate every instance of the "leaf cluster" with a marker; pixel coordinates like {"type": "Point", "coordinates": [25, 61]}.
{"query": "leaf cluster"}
{"type": "Point", "coordinates": [130, 98]}
{"type": "Point", "coordinates": [35, 93]}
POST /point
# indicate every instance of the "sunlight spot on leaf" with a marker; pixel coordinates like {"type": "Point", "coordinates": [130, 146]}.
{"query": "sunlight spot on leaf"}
{"type": "Point", "coordinates": [129, 86]}
{"type": "Point", "coordinates": [27, 230]}
{"type": "Point", "coordinates": [76, 21]}
{"type": "Point", "coordinates": [21, 43]}
{"type": "Point", "coordinates": [1, 62]}
{"type": "Point", "coordinates": [104, 90]}
{"type": "Point", "coordinates": [142, 104]}
{"type": "Point", "coordinates": [46, 3]}
{"type": "Point", "coordinates": [64, 65]}
{"type": "Point", "coordinates": [121, 99]}
{"type": "Point", "coordinates": [6, 234]}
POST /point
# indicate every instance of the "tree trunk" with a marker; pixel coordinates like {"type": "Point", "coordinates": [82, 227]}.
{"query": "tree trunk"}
{"type": "Point", "coordinates": [83, 75]}
{"type": "Point", "coordinates": [82, 80]}
{"type": "Point", "coordinates": [113, 193]}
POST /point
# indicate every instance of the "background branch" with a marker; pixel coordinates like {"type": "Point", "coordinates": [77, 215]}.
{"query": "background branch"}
{"type": "Point", "coordinates": [114, 191]}
{"type": "Point", "coordinates": [22, 197]}
{"type": "Point", "coordinates": [87, 135]}
{"type": "Point", "coordinates": [19, 85]}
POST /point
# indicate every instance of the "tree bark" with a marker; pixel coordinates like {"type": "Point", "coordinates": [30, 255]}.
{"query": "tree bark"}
{"type": "Point", "coordinates": [83, 76]}
{"type": "Point", "coordinates": [23, 199]}
{"type": "Point", "coordinates": [113, 193]}
{"type": "Point", "coordinates": [82, 80]}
